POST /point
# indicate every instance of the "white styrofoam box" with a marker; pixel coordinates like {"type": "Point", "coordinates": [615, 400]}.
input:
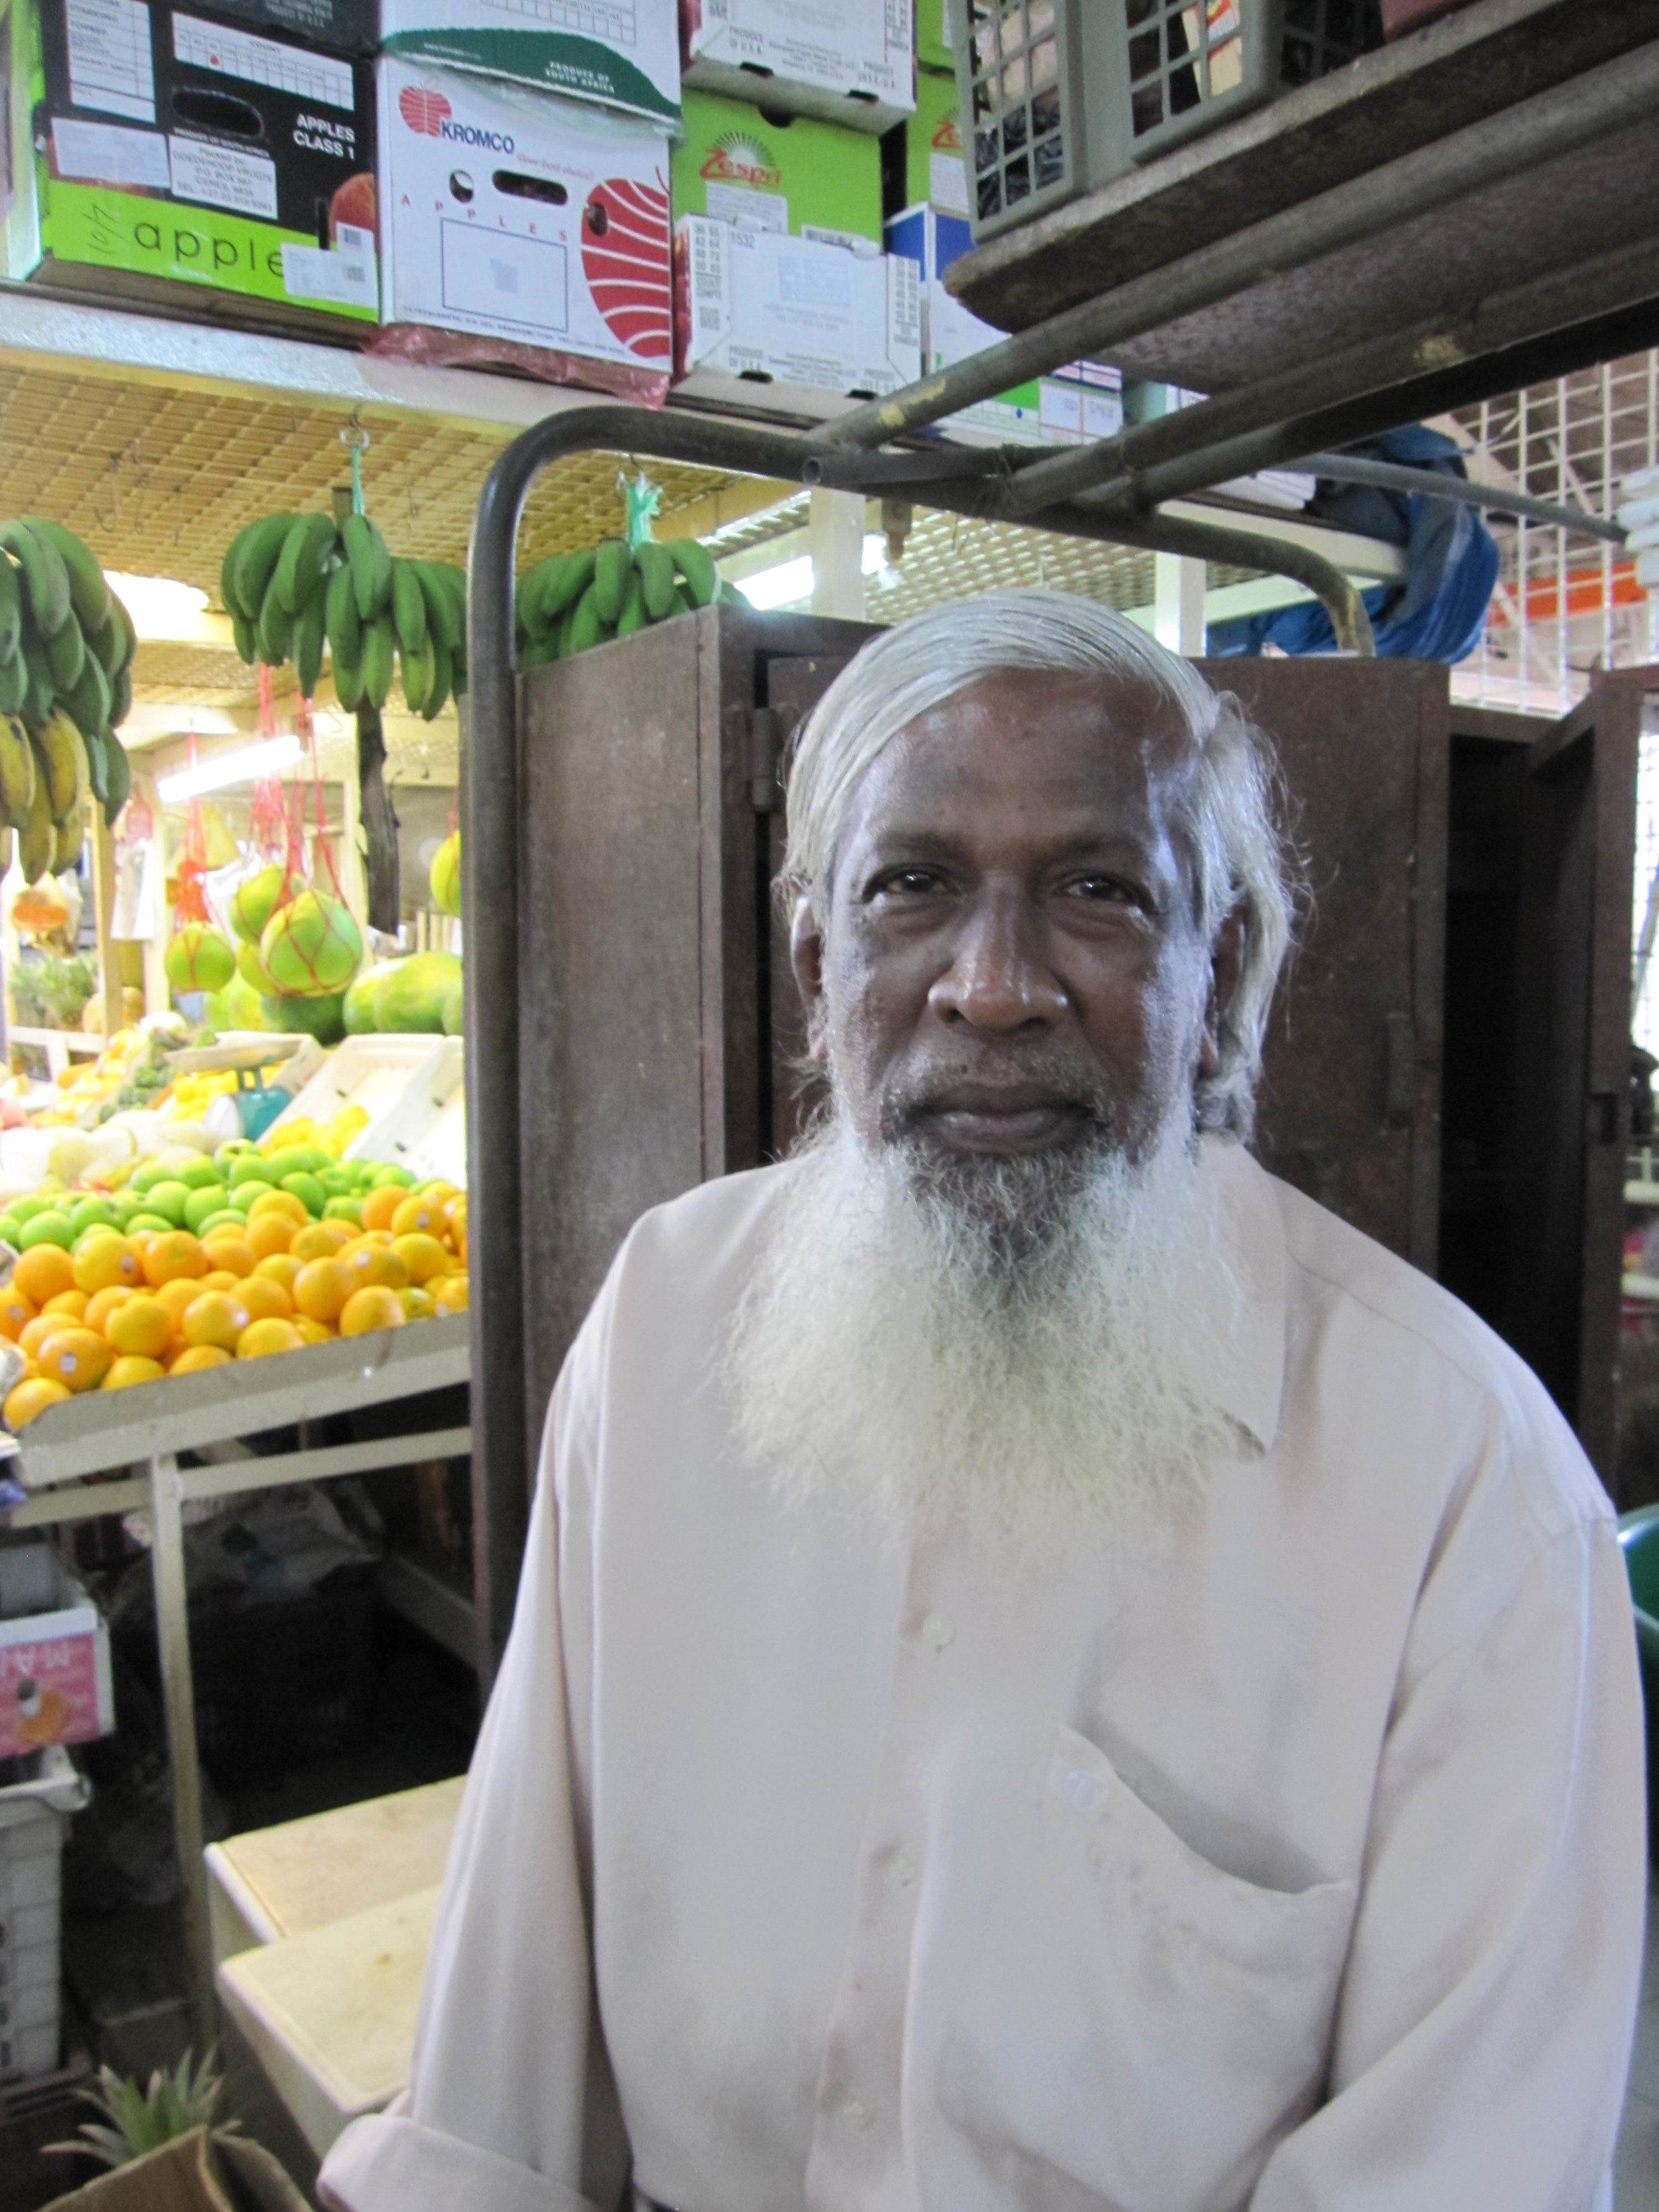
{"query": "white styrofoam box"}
{"type": "Point", "coordinates": [622, 53]}
{"type": "Point", "coordinates": [850, 60]}
{"type": "Point", "coordinates": [426, 1131]}
{"type": "Point", "coordinates": [1647, 569]}
{"type": "Point", "coordinates": [805, 318]}
{"type": "Point", "coordinates": [512, 214]}
{"type": "Point", "coordinates": [374, 1073]}
{"type": "Point", "coordinates": [34, 1817]}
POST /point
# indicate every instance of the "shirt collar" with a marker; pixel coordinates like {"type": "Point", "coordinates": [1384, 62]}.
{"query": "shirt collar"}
{"type": "Point", "coordinates": [1237, 1340]}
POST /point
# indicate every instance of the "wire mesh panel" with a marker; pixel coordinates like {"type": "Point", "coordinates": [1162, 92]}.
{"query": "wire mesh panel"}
{"type": "Point", "coordinates": [1064, 94]}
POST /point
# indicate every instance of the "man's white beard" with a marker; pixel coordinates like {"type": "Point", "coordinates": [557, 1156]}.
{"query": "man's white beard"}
{"type": "Point", "coordinates": [1008, 1336]}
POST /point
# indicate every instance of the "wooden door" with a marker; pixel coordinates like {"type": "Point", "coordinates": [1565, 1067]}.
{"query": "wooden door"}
{"type": "Point", "coordinates": [1349, 1102]}
{"type": "Point", "coordinates": [1571, 1068]}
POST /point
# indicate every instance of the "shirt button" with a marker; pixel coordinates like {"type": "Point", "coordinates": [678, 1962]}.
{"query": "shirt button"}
{"type": "Point", "coordinates": [858, 2114]}
{"type": "Point", "coordinates": [1080, 1790]}
{"type": "Point", "coordinates": [904, 1870]}
{"type": "Point", "coordinates": [937, 1631]}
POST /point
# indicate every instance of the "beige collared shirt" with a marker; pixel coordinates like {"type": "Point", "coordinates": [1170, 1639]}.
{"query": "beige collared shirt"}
{"type": "Point", "coordinates": [1295, 1863]}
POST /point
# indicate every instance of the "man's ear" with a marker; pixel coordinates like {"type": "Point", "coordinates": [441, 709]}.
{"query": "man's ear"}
{"type": "Point", "coordinates": [1226, 960]}
{"type": "Point", "coordinates": [807, 960]}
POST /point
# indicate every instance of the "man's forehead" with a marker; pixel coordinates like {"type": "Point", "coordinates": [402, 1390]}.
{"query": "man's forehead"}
{"type": "Point", "coordinates": [1060, 737]}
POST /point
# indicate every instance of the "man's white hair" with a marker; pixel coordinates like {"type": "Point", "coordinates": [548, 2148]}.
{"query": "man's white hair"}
{"type": "Point", "coordinates": [1241, 859]}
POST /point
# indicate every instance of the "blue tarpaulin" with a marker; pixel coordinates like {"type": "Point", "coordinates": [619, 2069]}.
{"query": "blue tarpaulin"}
{"type": "Point", "coordinates": [1451, 565]}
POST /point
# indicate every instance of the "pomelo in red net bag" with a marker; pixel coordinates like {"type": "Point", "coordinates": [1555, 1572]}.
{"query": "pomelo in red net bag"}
{"type": "Point", "coordinates": [256, 900]}
{"type": "Point", "coordinates": [312, 947]}
{"type": "Point", "coordinates": [199, 958]}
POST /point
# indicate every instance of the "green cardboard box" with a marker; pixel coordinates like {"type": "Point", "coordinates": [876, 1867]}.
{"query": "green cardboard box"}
{"type": "Point", "coordinates": [934, 48]}
{"type": "Point", "coordinates": [769, 171]}
{"type": "Point", "coordinates": [187, 161]}
{"type": "Point", "coordinates": [935, 171]}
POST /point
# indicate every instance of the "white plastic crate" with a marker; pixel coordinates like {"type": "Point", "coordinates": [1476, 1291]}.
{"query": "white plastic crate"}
{"type": "Point", "coordinates": [426, 1131]}
{"type": "Point", "coordinates": [34, 1817]}
{"type": "Point", "coordinates": [374, 1073]}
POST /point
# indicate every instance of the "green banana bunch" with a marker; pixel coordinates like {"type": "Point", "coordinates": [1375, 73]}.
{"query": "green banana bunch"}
{"type": "Point", "coordinates": [565, 604]}
{"type": "Point", "coordinates": [66, 649]}
{"type": "Point", "coordinates": [293, 584]}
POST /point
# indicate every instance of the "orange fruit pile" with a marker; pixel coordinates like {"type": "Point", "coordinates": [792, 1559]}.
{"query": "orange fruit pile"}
{"type": "Point", "coordinates": [122, 1309]}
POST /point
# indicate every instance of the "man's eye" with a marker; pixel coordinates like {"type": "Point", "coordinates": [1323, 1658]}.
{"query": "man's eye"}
{"type": "Point", "coordinates": [909, 882]}
{"type": "Point", "coordinates": [1104, 887]}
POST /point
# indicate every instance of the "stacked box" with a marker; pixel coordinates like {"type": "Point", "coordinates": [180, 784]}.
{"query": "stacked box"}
{"type": "Point", "coordinates": [758, 308]}
{"type": "Point", "coordinates": [791, 173]}
{"type": "Point", "coordinates": [34, 1818]}
{"type": "Point", "coordinates": [935, 48]}
{"type": "Point", "coordinates": [339, 27]}
{"type": "Point", "coordinates": [1081, 402]}
{"type": "Point", "coordinates": [158, 156]}
{"type": "Point", "coordinates": [935, 172]}
{"type": "Point", "coordinates": [620, 53]}
{"type": "Point", "coordinates": [523, 230]}
{"type": "Point", "coordinates": [848, 60]}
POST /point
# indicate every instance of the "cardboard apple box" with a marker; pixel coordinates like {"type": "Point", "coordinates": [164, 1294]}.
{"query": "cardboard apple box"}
{"type": "Point", "coordinates": [55, 1676]}
{"type": "Point", "coordinates": [851, 61]}
{"type": "Point", "coordinates": [622, 53]}
{"type": "Point", "coordinates": [759, 308]}
{"type": "Point", "coordinates": [773, 171]}
{"type": "Point", "coordinates": [523, 229]}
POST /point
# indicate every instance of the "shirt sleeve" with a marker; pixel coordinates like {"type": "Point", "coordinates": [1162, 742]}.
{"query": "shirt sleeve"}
{"type": "Point", "coordinates": [510, 2105]}
{"type": "Point", "coordinates": [1485, 2023]}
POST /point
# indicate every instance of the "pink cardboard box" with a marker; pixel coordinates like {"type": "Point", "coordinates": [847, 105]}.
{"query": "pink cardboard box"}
{"type": "Point", "coordinates": [55, 1676]}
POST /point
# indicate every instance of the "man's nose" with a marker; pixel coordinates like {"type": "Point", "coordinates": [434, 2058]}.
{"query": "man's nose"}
{"type": "Point", "coordinates": [998, 978]}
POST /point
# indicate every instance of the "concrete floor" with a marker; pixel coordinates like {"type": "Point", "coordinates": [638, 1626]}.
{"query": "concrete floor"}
{"type": "Point", "coordinates": [1636, 2168]}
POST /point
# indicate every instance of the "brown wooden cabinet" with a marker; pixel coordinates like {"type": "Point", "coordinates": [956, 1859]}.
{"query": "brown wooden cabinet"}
{"type": "Point", "coordinates": [658, 1020]}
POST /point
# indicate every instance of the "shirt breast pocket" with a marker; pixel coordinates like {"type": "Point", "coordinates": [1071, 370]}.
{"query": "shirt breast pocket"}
{"type": "Point", "coordinates": [1129, 2027]}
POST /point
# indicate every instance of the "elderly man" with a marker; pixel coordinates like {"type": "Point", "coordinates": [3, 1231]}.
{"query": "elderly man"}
{"type": "Point", "coordinates": [1050, 1676]}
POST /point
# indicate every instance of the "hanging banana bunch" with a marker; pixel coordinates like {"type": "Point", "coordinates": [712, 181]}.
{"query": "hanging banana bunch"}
{"type": "Point", "coordinates": [292, 583]}
{"type": "Point", "coordinates": [577, 600]}
{"type": "Point", "coordinates": [66, 649]}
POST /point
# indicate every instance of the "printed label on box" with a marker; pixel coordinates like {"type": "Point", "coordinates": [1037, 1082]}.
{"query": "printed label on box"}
{"type": "Point", "coordinates": [947, 182]}
{"type": "Point", "coordinates": [54, 1685]}
{"type": "Point", "coordinates": [294, 70]}
{"type": "Point", "coordinates": [622, 53]}
{"type": "Point", "coordinates": [112, 65]}
{"type": "Point", "coordinates": [105, 154]}
{"type": "Point", "coordinates": [347, 277]}
{"type": "Point", "coordinates": [224, 176]}
{"type": "Point", "coordinates": [749, 210]}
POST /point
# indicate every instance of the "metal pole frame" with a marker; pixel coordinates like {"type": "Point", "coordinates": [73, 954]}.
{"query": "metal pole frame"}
{"type": "Point", "coordinates": [958, 479]}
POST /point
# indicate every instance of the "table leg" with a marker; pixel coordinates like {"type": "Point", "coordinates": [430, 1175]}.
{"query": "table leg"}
{"type": "Point", "coordinates": [178, 1699]}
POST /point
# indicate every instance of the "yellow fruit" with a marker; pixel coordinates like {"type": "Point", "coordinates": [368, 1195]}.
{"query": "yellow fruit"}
{"type": "Point", "coordinates": [261, 1338]}
{"type": "Point", "coordinates": [79, 1359]}
{"type": "Point", "coordinates": [173, 1256]}
{"type": "Point", "coordinates": [314, 1332]}
{"type": "Point", "coordinates": [421, 1216]}
{"type": "Point", "coordinates": [105, 1263]}
{"type": "Point", "coordinates": [140, 1327]}
{"type": "Point", "coordinates": [423, 1256]}
{"type": "Point", "coordinates": [321, 1241]}
{"type": "Point", "coordinates": [42, 1271]}
{"type": "Point", "coordinates": [197, 1357]}
{"type": "Point", "coordinates": [132, 1368]}
{"type": "Point", "coordinates": [271, 1233]}
{"type": "Point", "coordinates": [141, 1240]}
{"type": "Point", "coordinates": [375, 1265]}
{"type": "Point", "coordinates": [280, 1268]}
{"type": "Point", "coordinates": [218, 1279]}
{"type": "Point", "coordinates": [322, 1287]}
{"type": "Point", "coordinates": [376, 1306]}
{"type": "Point", "coordinates": [15, 1313]}
{"type": "Point", "coordinates": [379, 1206]}
{"type": "Point", "coordinates": [216, 1318]}
{"type": "Point", "coordinates": [417, 1305]}
{"type": "Point", "coordinates": [183, 1291]}
{"type": "Point", "coordinates": [229, 1253]}
{"type": "Point", "coordinates": [102, 1303]}
{"type": "Point", "coordinates": [30, 1397]}
{"type": "Point", "coordinates": [279, 1201]}
{"type": "Point", "coordinates": [265, 1300]}
{"type": "Point", "coordinates": [33, 1334]}
{"type": "Point", "coordinates": [72, 1304]}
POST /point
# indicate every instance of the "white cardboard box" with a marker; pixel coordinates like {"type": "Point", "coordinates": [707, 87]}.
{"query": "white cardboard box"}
{"type": "Point", "coordinates": [623, 54]}
{"type": "Point", "coordinates": [760, 307]}
{"type": "Point", "coordinates": [516, 216]}
{"type": "Point", "coordinates": [850, 60]}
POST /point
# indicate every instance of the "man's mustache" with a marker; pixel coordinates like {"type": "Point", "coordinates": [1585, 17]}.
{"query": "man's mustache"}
{"type": "Point", "coordinates": [915, 1093]}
